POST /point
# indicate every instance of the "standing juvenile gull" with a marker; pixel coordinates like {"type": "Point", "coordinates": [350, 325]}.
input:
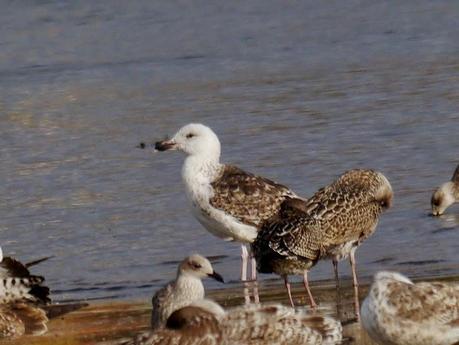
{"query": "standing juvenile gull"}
{"type": "Point", "coordinates": [229, 202]}
{"type": "Point", "coordinates": [446, 195]}
{"type": "Point", "coordinates": [186, 288]}
{"type": "Point", "coordinates": [21, 295]}
{"type": "Point", "coordinates": [399, 312]}
{"type": "Point", "coordinates": [331, 224]}
{"type": "Point", "coordinates": [205, 322]}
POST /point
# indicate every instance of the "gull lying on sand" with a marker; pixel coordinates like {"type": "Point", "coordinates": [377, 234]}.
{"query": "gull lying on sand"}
{"type": "Point", "coordinates": [21, 295]}
{"type": "Point", "coordinates": [205, 323]}
{"type": "Point", "coordinates": [399, 312]}
{"type": "Point", "coordinates": [184, 290]}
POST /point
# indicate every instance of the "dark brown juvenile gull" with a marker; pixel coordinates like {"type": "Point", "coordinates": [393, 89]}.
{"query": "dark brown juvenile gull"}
{"type": "Point", "coordinates": [331, 224]}
{"type": "Point", "coordinates": [446, 195]}
{"type": "Point", "coordinates": [205, 322]}
{"type": "Point", "coordinates": [21, 295]}
{"type": "Point", "coordinates": [229, 202]}
{"type": "Point", "coordinates": [399, 312]}
{"type": "Point", "coordinates": [185, 289]}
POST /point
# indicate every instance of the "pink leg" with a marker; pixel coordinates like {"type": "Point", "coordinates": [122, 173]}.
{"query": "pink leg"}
{"type": "Point", "coordinates": [335, 268]}
{"type": "Point", "coordinates": [287, 285]}
{"type": "Point", "coordinates": [306, 286]}
{"type": "Point", "coordinates": [356, 286]}
{"type": "Point", "coordinates": [256, 295]}
{"type": "Point", "coordinates": [254, 267]}
{"type": "Point", "coordinates": [244, 256]}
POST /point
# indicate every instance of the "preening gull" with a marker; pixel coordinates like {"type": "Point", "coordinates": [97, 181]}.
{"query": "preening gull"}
{"type": "Point", "coordinates": [446, 195]}
{"type": "Point", "coordinates": [331, 224]}
{"type": "Point", "coordinates": [205, 322]}
{"type": "Point", "coordinates": [185, 289]}
{"type": "Point", "coordinates": [398, 312]}
{"type": "Point", "coordinates": [229, 202]}
{"type": "Point", "coordinates": [21, 295]}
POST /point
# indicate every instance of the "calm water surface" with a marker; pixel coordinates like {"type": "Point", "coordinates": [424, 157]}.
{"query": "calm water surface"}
{"type": "Point", "coordinates": [296, 91]}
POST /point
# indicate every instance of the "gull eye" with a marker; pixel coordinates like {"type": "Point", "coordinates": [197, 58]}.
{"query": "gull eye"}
{"type": "Point", "coordinates": [190, 135]}
{"type": "Point", "coordinates": [195, 265]}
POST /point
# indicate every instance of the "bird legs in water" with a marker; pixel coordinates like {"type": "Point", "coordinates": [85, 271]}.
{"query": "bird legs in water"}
{"type": "Point", "coordinates": [356, 285]}
{"type": "Point", "coordinates": [246, 254]}
{"type": "Point", "coordinates": [338, 295]}
{"type": "Point", "coordinates": [244, 257]}
{"type": "Point", "coordinates": [306, 286]}
{"type": "Point", "coordinates": [287, 285]}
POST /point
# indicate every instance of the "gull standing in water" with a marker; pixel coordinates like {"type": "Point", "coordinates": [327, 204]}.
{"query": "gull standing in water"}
{"type": "Point", "coordinates": [331, 224]}
{"type": "Point", "coordinates": [229, 202]}
{"type": "Point", "coordinates": [399, 312]}
{"type": "Point", "coordinates": [446, 195]}
{"type": "Point", "coordinates": [185, 289]}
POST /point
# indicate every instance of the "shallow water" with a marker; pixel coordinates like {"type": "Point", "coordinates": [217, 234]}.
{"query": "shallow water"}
{"type": "Point", "coordinates": [297, 92]}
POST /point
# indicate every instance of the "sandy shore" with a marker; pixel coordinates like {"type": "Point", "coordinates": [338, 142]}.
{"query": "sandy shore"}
{"type": "Point", "coordinates": [104, 322]}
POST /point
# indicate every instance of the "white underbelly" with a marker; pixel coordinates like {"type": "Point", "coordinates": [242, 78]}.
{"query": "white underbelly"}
{"type": "Point", "coordinates": [224, 226]}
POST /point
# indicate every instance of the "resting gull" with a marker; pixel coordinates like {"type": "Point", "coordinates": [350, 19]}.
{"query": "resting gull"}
{"type": "Point", "coordinates": [446, 195]}
{"type": "Point", "coordinates": [399, 312]}
{"type": "Point", "coordinates": [229, 202]}
{"type": "Point", "coordinates": [185, 289]}
{"type": "Point", "coordinates": [205, 323]}
{"type": "Point", "coordinates": [331, 224]}
{"type": "Point", "coordinates": [21, 295]}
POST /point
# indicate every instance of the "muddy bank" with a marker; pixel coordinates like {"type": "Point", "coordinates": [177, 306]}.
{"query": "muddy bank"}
{"type": "Point", "coordinates": [103, 322]}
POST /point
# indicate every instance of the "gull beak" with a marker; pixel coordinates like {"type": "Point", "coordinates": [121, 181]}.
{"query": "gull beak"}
{"type": "Point", "coordinates": [166, 145]}
{"type": "Point", "coordinates": [436, 213]}
{"type": "Point", "coordinates": [216, 276]}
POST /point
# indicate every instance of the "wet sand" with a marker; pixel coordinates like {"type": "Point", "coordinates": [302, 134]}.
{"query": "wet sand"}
{"type": "Point", "coordinates": [105, 322]}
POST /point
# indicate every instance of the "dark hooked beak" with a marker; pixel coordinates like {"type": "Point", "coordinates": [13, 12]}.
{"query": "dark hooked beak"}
{"type": "Point", "coordinates": [216, 276]}
{"type": "Point", "coordinates": [165, 145]}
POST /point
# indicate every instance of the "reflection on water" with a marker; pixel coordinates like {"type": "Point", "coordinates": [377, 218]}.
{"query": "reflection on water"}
{"type": "Point", "coordinates": [298, 93]}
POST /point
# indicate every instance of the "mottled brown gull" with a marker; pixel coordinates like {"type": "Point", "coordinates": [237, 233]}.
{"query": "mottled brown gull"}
{"type": "Point", "coordinates": [399, 312]}
{"type": "Point", "coordinates": [186, 288]}
{"type": "Point", "coordinates": [205, 322]}
{"type": "Point", "coordinates": [446, 195]}
{"type": "Point", "coordinates": [21, 297]}
{"type": "Point", "coordinates": [229, 202]}
{"type": "Point", "coordinates": [331, 224]}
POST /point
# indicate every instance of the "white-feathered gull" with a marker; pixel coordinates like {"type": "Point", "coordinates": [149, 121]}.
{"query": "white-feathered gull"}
{"type": "Point", "coordinates": [21, 295]}
{"type": "Point", "coordinates": [205, 322]}
{"type": "Point", "coordinates": [229, 202]}
{"type": "Point", "coordinates": [398, 312]}
{"type": "Point", "coordinates": [446, 195]}
{"type": "Point", "coordinates": [331, 224]}
{"type": "Point", "coordinates": [185, 289]}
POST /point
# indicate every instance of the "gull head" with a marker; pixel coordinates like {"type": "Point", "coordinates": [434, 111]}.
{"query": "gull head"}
{"type": "Point", "coordinates": [199, 267]}
{"type": "Point", "coordinates": [193, 139]}
{"type": "Point", "coordinates": [442, 198]}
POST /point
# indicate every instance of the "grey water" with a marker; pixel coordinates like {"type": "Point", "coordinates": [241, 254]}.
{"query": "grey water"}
{"type": "Point", "coordinates": [297, 91]}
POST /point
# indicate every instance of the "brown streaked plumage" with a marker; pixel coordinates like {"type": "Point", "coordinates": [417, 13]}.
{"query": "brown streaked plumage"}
{"type": "Point", "coordinates": [445, 195]}
{"type": "Point", "coordinates": [20, 318]}
{"type": "Point", "coordinates": [248, 325]}
{"type": "Point", "coordinates": [21, 295]}
{"type": "Point", "coordinates": [331, 224]}
{"type": "Point", "coordinates": [247, 197]}
{"type": "Point", "coordinates": [397, 311]}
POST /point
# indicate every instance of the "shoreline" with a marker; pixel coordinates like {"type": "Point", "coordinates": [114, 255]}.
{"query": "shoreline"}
{"type": "Point", "coordinates": [103, 322]}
